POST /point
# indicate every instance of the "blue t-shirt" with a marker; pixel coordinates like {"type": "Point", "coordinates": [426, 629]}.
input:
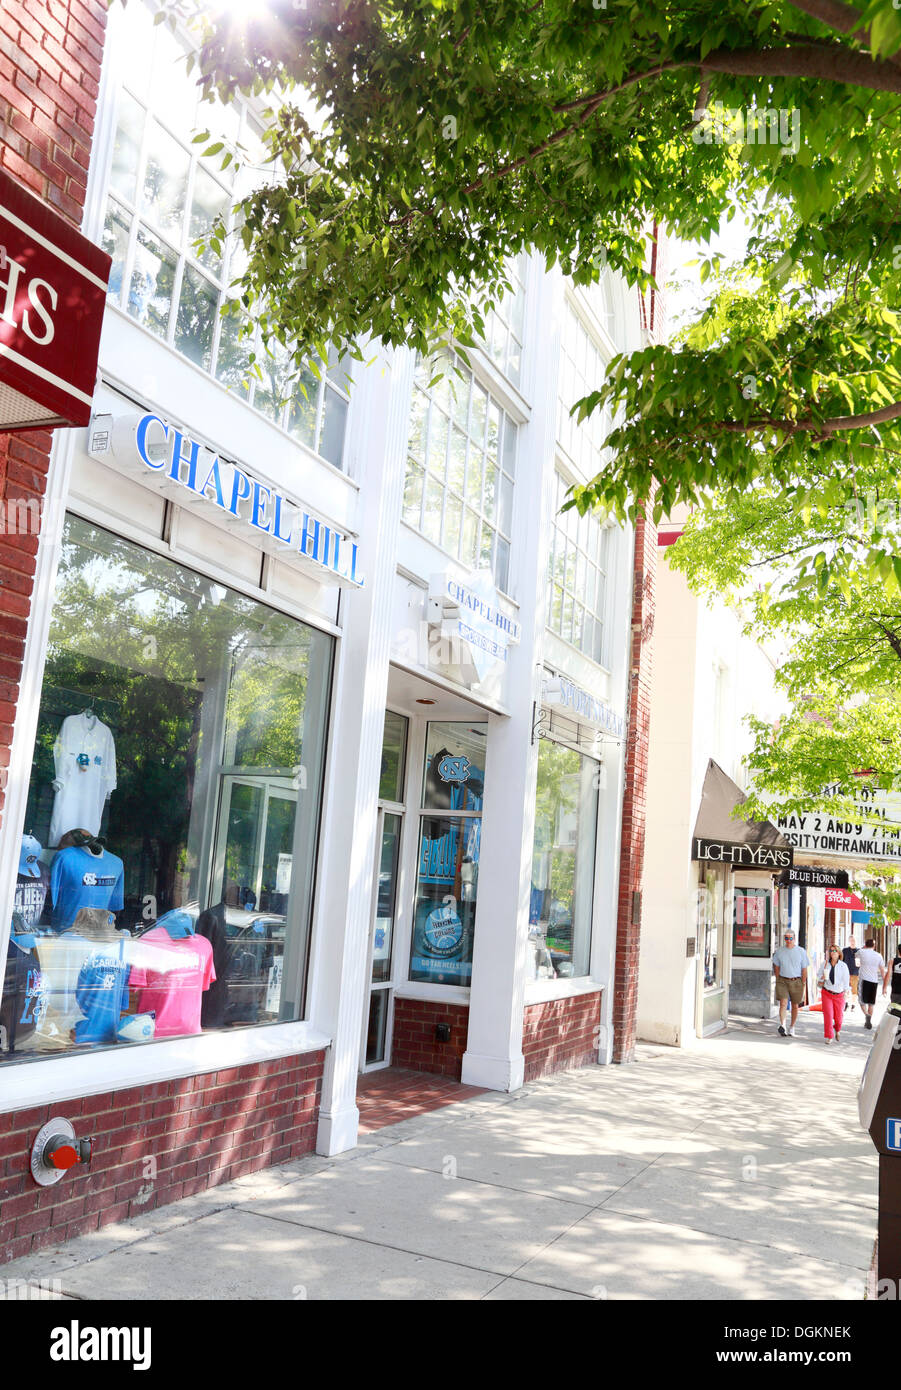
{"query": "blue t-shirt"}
{"type": "Point", "coordinates": [791, 960]}
{"type": "Point", "coordinates": [81, 879]}
{"type": "Point", "coordinates": [102, 994]}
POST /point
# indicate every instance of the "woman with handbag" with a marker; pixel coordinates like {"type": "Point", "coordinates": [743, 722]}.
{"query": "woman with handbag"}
{"type": "Point", "coordinates": [834, 978]}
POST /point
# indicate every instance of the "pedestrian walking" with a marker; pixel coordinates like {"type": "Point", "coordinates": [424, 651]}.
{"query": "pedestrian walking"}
{"type": "Point", "coordinates": [895, 978]}
{"type": "Point", "coordinates": [852, 960]}
{"type": "Point", "coordinates": [834, 979]}
{"type": "Point", "coordinates": [872, 969]}
{"type": "Point", "coordinates": [789, 966]}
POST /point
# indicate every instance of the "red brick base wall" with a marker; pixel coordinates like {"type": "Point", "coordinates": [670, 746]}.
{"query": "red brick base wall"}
{"type": "Point", "coordinates": [415, 1045]}
{"type": "Point", "coordinates": [560, 1034]}
{"type": "Point", "coordinates": [155, 1144]}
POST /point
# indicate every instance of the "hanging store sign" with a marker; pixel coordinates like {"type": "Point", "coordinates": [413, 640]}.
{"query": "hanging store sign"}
{"type": "Point", "coordinates": [189, 471]}
{"type": "Point", "coordinates": [52, 296]}
{"type": "Point", "coordinates": [585, 708]}
{"type": "Point", "coordinates": [469, 617]}
{"type": "Point", "coordinates": [741, 856]}
{"type": "Point", "coordinates": [813, 877]}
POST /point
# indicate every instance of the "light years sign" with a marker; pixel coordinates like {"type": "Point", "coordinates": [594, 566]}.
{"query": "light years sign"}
{"type": "Point", "coordinates": [178, 459]}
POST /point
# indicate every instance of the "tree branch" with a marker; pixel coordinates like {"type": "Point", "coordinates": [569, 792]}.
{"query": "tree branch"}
{"type": "Point", "coordinates": [807, 425]}
{"type": "Point", "coordinates": [844, 19]}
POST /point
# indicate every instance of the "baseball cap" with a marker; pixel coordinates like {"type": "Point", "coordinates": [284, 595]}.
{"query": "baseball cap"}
{"type": "Point", "coordinates": [28, 857]}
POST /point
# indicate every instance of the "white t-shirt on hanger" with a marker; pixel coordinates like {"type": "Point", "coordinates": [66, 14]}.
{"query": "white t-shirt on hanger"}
{"type": "Point", "coordinates": [84, 756]}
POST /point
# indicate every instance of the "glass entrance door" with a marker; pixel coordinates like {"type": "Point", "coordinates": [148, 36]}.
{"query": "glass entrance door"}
{"type": "Point", "coordinates": [712, 984]}
{"type": "Point", "coordinates": [254, 850]}
{"type": "Point", "coordinates": [376, 1049]}
{"type": "Point", "coordinates": [377, 1044]}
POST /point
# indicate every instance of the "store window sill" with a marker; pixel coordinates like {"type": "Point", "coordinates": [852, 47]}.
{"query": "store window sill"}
{"type": "Point", "coordinates": [438, 994]}
{"type": "Point", "coordinates": [543, 991]}
{"type": "Point", "coordinates": [46, 1080]}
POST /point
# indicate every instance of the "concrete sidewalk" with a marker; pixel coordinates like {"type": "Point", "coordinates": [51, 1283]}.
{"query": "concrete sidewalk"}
{"type": "Point", "coordinates": [736, 1169]}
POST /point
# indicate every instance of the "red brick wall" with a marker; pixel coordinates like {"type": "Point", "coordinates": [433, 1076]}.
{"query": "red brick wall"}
{"type": "Point", "coordinates": [50, 55]}
{"type": "Point", "coordinates": [199, 1131]}
{"type": "Point", "coordinates": [415, 1045]}
{"type": "Point", "coordinates": [560, 1034]}
{"type": "Point", "coordinates": [628, 931]}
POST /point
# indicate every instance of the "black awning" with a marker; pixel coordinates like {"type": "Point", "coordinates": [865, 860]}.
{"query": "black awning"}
{"type": "Point", "coordinates": [720, 837]}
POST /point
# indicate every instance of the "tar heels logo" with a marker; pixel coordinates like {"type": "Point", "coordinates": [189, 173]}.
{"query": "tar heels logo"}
{"type": "Point", "coordinates": [454, 769]}
{"type": "Point", "coordinates": [89, 880]}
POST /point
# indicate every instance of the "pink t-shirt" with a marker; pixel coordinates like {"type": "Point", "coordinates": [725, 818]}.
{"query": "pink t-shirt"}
{"type": "Point", "coordinates": [170, 977]}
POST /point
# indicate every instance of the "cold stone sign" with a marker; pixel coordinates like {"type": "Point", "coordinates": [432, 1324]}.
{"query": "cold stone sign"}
{"type": "Point", "coordinates": [741, 856]}
{"type": "Point", "coordinates": [184, 466]}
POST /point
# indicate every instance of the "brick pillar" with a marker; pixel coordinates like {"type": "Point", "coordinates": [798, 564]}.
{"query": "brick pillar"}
{"type": "Point", "coordinates": [628, 927]}
{"type": "Point", "coordinates": [50, 56]}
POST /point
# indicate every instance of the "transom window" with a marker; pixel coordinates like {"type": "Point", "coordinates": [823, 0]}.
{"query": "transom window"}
{"type": "Point", "coordinates": [578, 564]}
{"type": "Point", "coordinates": [164, 196]}
{"type": "Point", "coordinates": [460, 469]}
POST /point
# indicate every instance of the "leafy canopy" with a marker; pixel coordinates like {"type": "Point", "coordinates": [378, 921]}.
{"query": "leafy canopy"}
{"type": "Point", "coordinates": [449, 134]}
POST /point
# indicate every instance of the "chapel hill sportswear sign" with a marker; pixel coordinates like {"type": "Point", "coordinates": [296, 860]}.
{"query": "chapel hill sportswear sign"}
{"type": "Point", "coordinates": [741, 856]}
{"type": "Point", "coordinates": [184, 468]}
{"type": "Point", "coordinates": [52, 294]}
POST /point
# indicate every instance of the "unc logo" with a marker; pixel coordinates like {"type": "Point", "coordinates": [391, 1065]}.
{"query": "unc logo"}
{"type": "Point", "coordinates": [443, 933]}
{"type": "Point", "coordinates": [454, 769]}
{"type": "Point", "coordinates": [83, 760]}
{"type": "Point", "coordinates": [90, 880]}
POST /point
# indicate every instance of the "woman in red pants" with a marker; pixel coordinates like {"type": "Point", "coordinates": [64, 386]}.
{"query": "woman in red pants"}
{"type": "Point", "coordinates": [834, 979]}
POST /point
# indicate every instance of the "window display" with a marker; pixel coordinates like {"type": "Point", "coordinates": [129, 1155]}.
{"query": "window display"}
{"type": "Point", "coordinates": [563, 856]}
{"type": "Point", "coordinates": [448, 873]}
{"type": "Point", "coordinates": [84, 758]}
{"type": "Point", "coordinates": [751, 935]}
{"type": "Point", "coordinates": [165, 883]}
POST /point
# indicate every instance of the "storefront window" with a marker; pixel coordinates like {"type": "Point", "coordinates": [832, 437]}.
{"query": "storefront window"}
{"type": "Point", "coordinates": [752, 922]}
{"type": "Point", "coordinates": [563, 855]}
{"type": "Point", "coordinates": [449, 842]}
{"type": "Point", "coordinates": [165, 885]}
{"type": "Point", "coordinates": [394, 752]}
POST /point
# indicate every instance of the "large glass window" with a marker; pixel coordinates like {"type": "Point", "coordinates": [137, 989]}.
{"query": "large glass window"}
{"type": "Point", "coordinates": [450, 828]}
{"type": "Point", "coordinates": [583, 368]}
{"type": "Point", "coordinates": [504, 325]}
{"type": "Point", "coordinates": [163, 197]}
{"type": "Point", "coordinates": [563, 858]}
{"type": "Point", "coordinates": [578, 563]}
{"type": "Point", "coordinates": [165, 884]}
{"type": "Point", "coordinates": [460, 469]}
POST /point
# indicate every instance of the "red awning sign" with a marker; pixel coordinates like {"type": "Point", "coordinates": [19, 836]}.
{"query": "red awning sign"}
{"type": "Point", "coordinates": [840, 897]}
{"type": "Point", "coordinates": [52, 295]}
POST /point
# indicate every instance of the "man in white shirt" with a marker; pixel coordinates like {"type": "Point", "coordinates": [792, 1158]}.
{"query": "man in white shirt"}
{"type": "Point", "coordinates": [872, 969]}
{"type": "Point", "coordinates": [790, 968]}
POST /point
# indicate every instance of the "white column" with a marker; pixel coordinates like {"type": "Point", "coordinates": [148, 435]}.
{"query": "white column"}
{"type": "Point", "coordinates": [493, 1056]}
{"type": "Point", "coordinates": [340, 966]}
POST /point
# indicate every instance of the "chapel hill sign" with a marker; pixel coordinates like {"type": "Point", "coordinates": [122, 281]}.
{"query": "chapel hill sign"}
{"type": "Point", "coordinates": [188, 471]}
